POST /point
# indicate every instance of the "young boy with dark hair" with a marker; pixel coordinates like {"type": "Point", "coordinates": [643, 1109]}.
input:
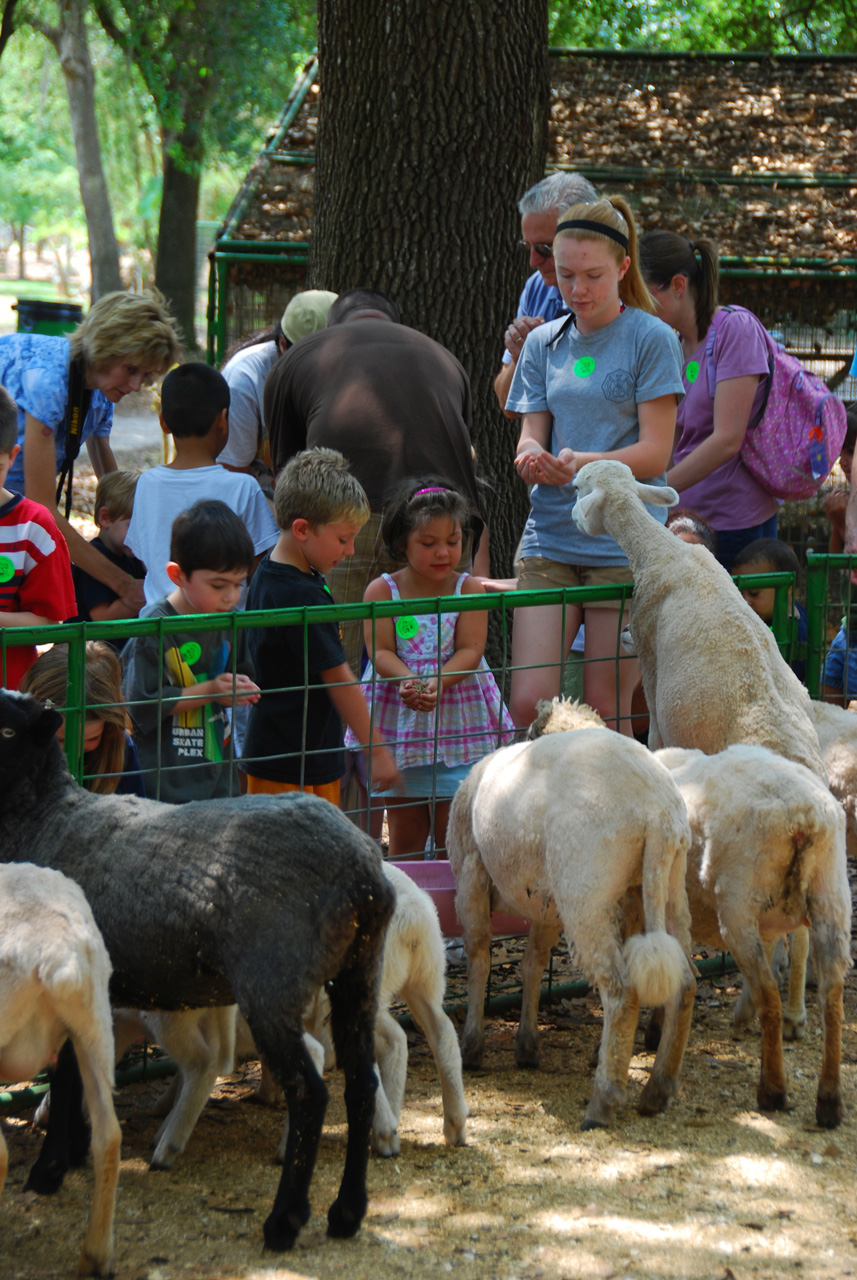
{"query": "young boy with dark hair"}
{"type": "Point", "coordinates": [35, 571]}
{"type": "Point", "coordinates": [771, 555]}
{"type": "Point", "coordinates": [114, 502]}
{"type": "Point", "coordinates": [194, 411]}
{"type": "Point", "coordinates": [294, 732]}
{"type": "Point", "coordinates": [178, 686]}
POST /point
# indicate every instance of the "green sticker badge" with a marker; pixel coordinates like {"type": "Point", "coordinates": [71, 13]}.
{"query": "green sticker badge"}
{"type": "Point", "coordinates": [584, 367]}
{"type": "Point", "coordinates": [692, 371]}
{"type": "Point", "coordinates": [190, 652]}
{"type": "Point", "coordinates": [407, 626]}
{"type": "Point", "coordinates": [7, 569]}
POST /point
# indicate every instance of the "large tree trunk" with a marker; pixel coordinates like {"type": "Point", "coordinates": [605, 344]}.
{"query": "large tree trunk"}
{"type": "Point", "coordinates": [432, 123]}
{"type": "Point", "coordinates": [175, 271]}
{"type": "Point", "coordinates": [69, 40]}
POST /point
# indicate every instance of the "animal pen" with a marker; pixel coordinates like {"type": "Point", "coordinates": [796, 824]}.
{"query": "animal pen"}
{"type": "Point", "coordinates": [562, 981]}
{"type": "Point", "coordinates": [754, 152]}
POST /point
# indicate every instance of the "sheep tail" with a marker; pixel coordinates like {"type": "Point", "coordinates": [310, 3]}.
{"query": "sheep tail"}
{"type": "Point", "coordinates": [657, 966]}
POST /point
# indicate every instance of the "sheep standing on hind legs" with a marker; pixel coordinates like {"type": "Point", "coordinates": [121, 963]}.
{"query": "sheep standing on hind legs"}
{"type": "Point", "coordinates": [54, 974]}
{"type": "Point", "coordinates": [257, 901]}
{"type": "Point", "coordinates": [712, 672]}
{"type": "Point", "coordinates": [531, 826]}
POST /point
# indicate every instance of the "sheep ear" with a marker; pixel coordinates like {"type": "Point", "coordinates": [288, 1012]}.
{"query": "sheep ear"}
{"type": "Point", "coordinates": [45, 725]}
{"type": "Point", "coordinates": [658, 495]}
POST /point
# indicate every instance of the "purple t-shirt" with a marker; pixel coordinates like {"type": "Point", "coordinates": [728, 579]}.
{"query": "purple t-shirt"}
{"type": "Point", "coordinates": [729, 498]}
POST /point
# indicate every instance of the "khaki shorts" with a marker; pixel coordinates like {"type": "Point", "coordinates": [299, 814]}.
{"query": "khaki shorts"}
{"type": "Point", "coordinates": [535, 573]}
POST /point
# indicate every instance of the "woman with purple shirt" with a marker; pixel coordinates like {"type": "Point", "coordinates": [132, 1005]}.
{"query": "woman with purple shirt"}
{"type": "Point", "coordinates": [707, 469]}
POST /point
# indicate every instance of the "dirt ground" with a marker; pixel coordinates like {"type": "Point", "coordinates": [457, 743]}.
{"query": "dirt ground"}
{"type": "Point", "coordinates": [711, 1190]}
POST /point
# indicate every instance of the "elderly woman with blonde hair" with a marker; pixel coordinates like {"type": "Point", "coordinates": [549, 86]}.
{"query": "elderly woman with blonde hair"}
{"type": "Point", "coordinates": [65, 389]}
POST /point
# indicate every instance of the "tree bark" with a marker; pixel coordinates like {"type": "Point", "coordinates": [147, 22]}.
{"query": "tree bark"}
{"type": "Point", "coordinates": [432, 123]}
{"type": "Point", "coordinates": [175, 272]}
{"type": "Point", "coordinates": [69, 40]}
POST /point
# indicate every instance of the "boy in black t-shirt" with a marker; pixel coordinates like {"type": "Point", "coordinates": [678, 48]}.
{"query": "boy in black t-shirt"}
{"type": "Point", "coordinates": [294, 733]}
{"type": "Point", "coordinates": [114, 501]}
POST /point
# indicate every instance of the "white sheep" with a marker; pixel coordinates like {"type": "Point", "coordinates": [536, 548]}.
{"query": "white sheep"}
{"type": "Point", "coordinates": [54, 975]}
{"type": "Point", "coordinates": [204, 1042]}
{"type": "Point", "coordinates": [837, 736]}
{"type": "Point", "coordinates": [712, 672]}
{"type": "Point", "coordinates": [768, 857]}
{"type": "Point", "coordinates": [563, 829]}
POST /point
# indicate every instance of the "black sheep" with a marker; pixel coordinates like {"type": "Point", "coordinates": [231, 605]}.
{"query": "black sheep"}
{"type": "Point", "coordinates": [253, 900]}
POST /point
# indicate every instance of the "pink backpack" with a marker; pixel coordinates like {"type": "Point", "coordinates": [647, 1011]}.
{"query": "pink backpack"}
{"type": "Point", "coordinates": [791, 447]}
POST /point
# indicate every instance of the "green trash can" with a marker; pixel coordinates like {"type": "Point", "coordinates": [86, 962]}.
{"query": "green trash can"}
{"type": "Point", "coordinates": [36, 316]}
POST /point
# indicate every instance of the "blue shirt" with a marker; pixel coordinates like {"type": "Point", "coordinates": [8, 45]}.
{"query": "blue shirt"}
{"type": "Point", "coordinates": [840, 666]}
{"type": "Point", "coordinates": [539, 299]}
{"type": "Point", "coordinates": [591, 384]}
{"type": "Point", "coordinates": [34, 369]}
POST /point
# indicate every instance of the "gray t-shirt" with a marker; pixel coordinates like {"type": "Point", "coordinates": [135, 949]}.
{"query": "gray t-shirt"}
{"type": "Point", "coordinates": [591, 384]}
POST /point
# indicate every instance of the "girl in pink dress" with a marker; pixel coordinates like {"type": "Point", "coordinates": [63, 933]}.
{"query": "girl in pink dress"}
{"type": "Point", "coordinates": [432, 697]}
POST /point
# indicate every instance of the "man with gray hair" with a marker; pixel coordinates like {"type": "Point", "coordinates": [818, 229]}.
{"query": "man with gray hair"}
{"type": "Point", "coordinates": [540, 208]}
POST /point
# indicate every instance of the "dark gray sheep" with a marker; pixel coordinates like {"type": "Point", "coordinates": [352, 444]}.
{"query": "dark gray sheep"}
{"type": "Point", "coordinates": [255, 901]}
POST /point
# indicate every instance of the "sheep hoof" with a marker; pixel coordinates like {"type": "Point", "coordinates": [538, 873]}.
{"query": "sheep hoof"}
{"type": "Point", "coordinates": [829, 1111]}
{"type": "Point", "coordinates": [343, 1223]}
{"type": "Point", "coordinates": [794, 1028]}
{"type": "Point", "coordinates": [527, 1055]}
{"type": "Point", "coordinates": [89, 1266]}
{"type": "Point", "coordinates": [160, 1164]}
{"type": "Point", "coordinates": [454, 1133]}
{"type": "Point", "coordinates": [281, 1230]}
{"type": "Point", "coordinates": [770, 1099]}
{"type": "Point", "coordinates": [472, 1055]}
{"type": "Point", "coordinates": [386, 1144]}
{"type": "Point", "coordinates": [46, 1178]}
{"type": "Point", "coordinates": [591, 1122]}
{"type": "Point", "coordinates": [654, 1098]}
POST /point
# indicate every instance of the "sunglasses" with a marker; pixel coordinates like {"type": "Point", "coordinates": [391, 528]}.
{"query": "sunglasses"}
{"type": "Point", "coordinates": [543, 250]}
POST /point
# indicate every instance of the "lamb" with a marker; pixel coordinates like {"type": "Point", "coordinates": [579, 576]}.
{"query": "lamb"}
{"type": "Point", "coordinates": [203, 1041]}
{"type": "Point", "coordinates": [54, 975]}
{"type": "Point", "coordinates": [768, 856]}
{"type": "Point", "coordinates": [712, 673]}
{"type": "Point", "coordinates": [258, 901]}
{"type": "Point", "coordinates": [530, 825]}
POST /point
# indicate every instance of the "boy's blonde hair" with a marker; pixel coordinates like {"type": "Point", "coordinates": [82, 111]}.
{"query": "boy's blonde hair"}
{"type": "Point", "coordinates": [615, 214]}
{"type": "Point", "coordinates": [115, 491]}
{"type": "Point", "coordinates": [128, 326]}
{"type": "Point", "coordinates": [317, 486]}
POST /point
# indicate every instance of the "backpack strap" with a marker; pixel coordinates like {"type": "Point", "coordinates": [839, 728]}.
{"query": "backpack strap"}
{"type": "Point", "coordinates": [710, 368]}
{"type": "Point", "coordinates": [77, 408]}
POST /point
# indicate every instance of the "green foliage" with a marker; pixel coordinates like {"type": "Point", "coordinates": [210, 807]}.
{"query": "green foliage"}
{"type": "Point", "coordinates": [777, 26]}
{"type": "Point", "coordinates": [38, 174]}
{"type": "Point", "coordinates": [217, 74]}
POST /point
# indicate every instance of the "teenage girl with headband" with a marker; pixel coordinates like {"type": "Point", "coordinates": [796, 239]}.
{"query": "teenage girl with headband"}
{"type": "Point", "coordinates": [601, 383]}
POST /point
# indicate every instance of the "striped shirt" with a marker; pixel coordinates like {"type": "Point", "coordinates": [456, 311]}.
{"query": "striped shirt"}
{"type": "Point", "coordinates": [35, 576]}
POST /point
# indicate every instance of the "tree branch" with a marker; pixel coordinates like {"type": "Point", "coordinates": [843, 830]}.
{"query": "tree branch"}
{"type": "Point", "coordinates": [105, 17]}
{"type": "Point", "coordinates": [50, 33]}
{"type": "Point", "coordinates": [7, 25]}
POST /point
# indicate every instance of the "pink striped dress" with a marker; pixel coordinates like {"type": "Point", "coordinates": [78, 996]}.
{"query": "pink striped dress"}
{"type": "Point", "coordinates": [469, 720]}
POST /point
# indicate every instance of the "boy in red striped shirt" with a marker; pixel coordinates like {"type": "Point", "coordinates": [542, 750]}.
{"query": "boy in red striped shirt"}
{"type": "Point", "coordinates": [35, 572]}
